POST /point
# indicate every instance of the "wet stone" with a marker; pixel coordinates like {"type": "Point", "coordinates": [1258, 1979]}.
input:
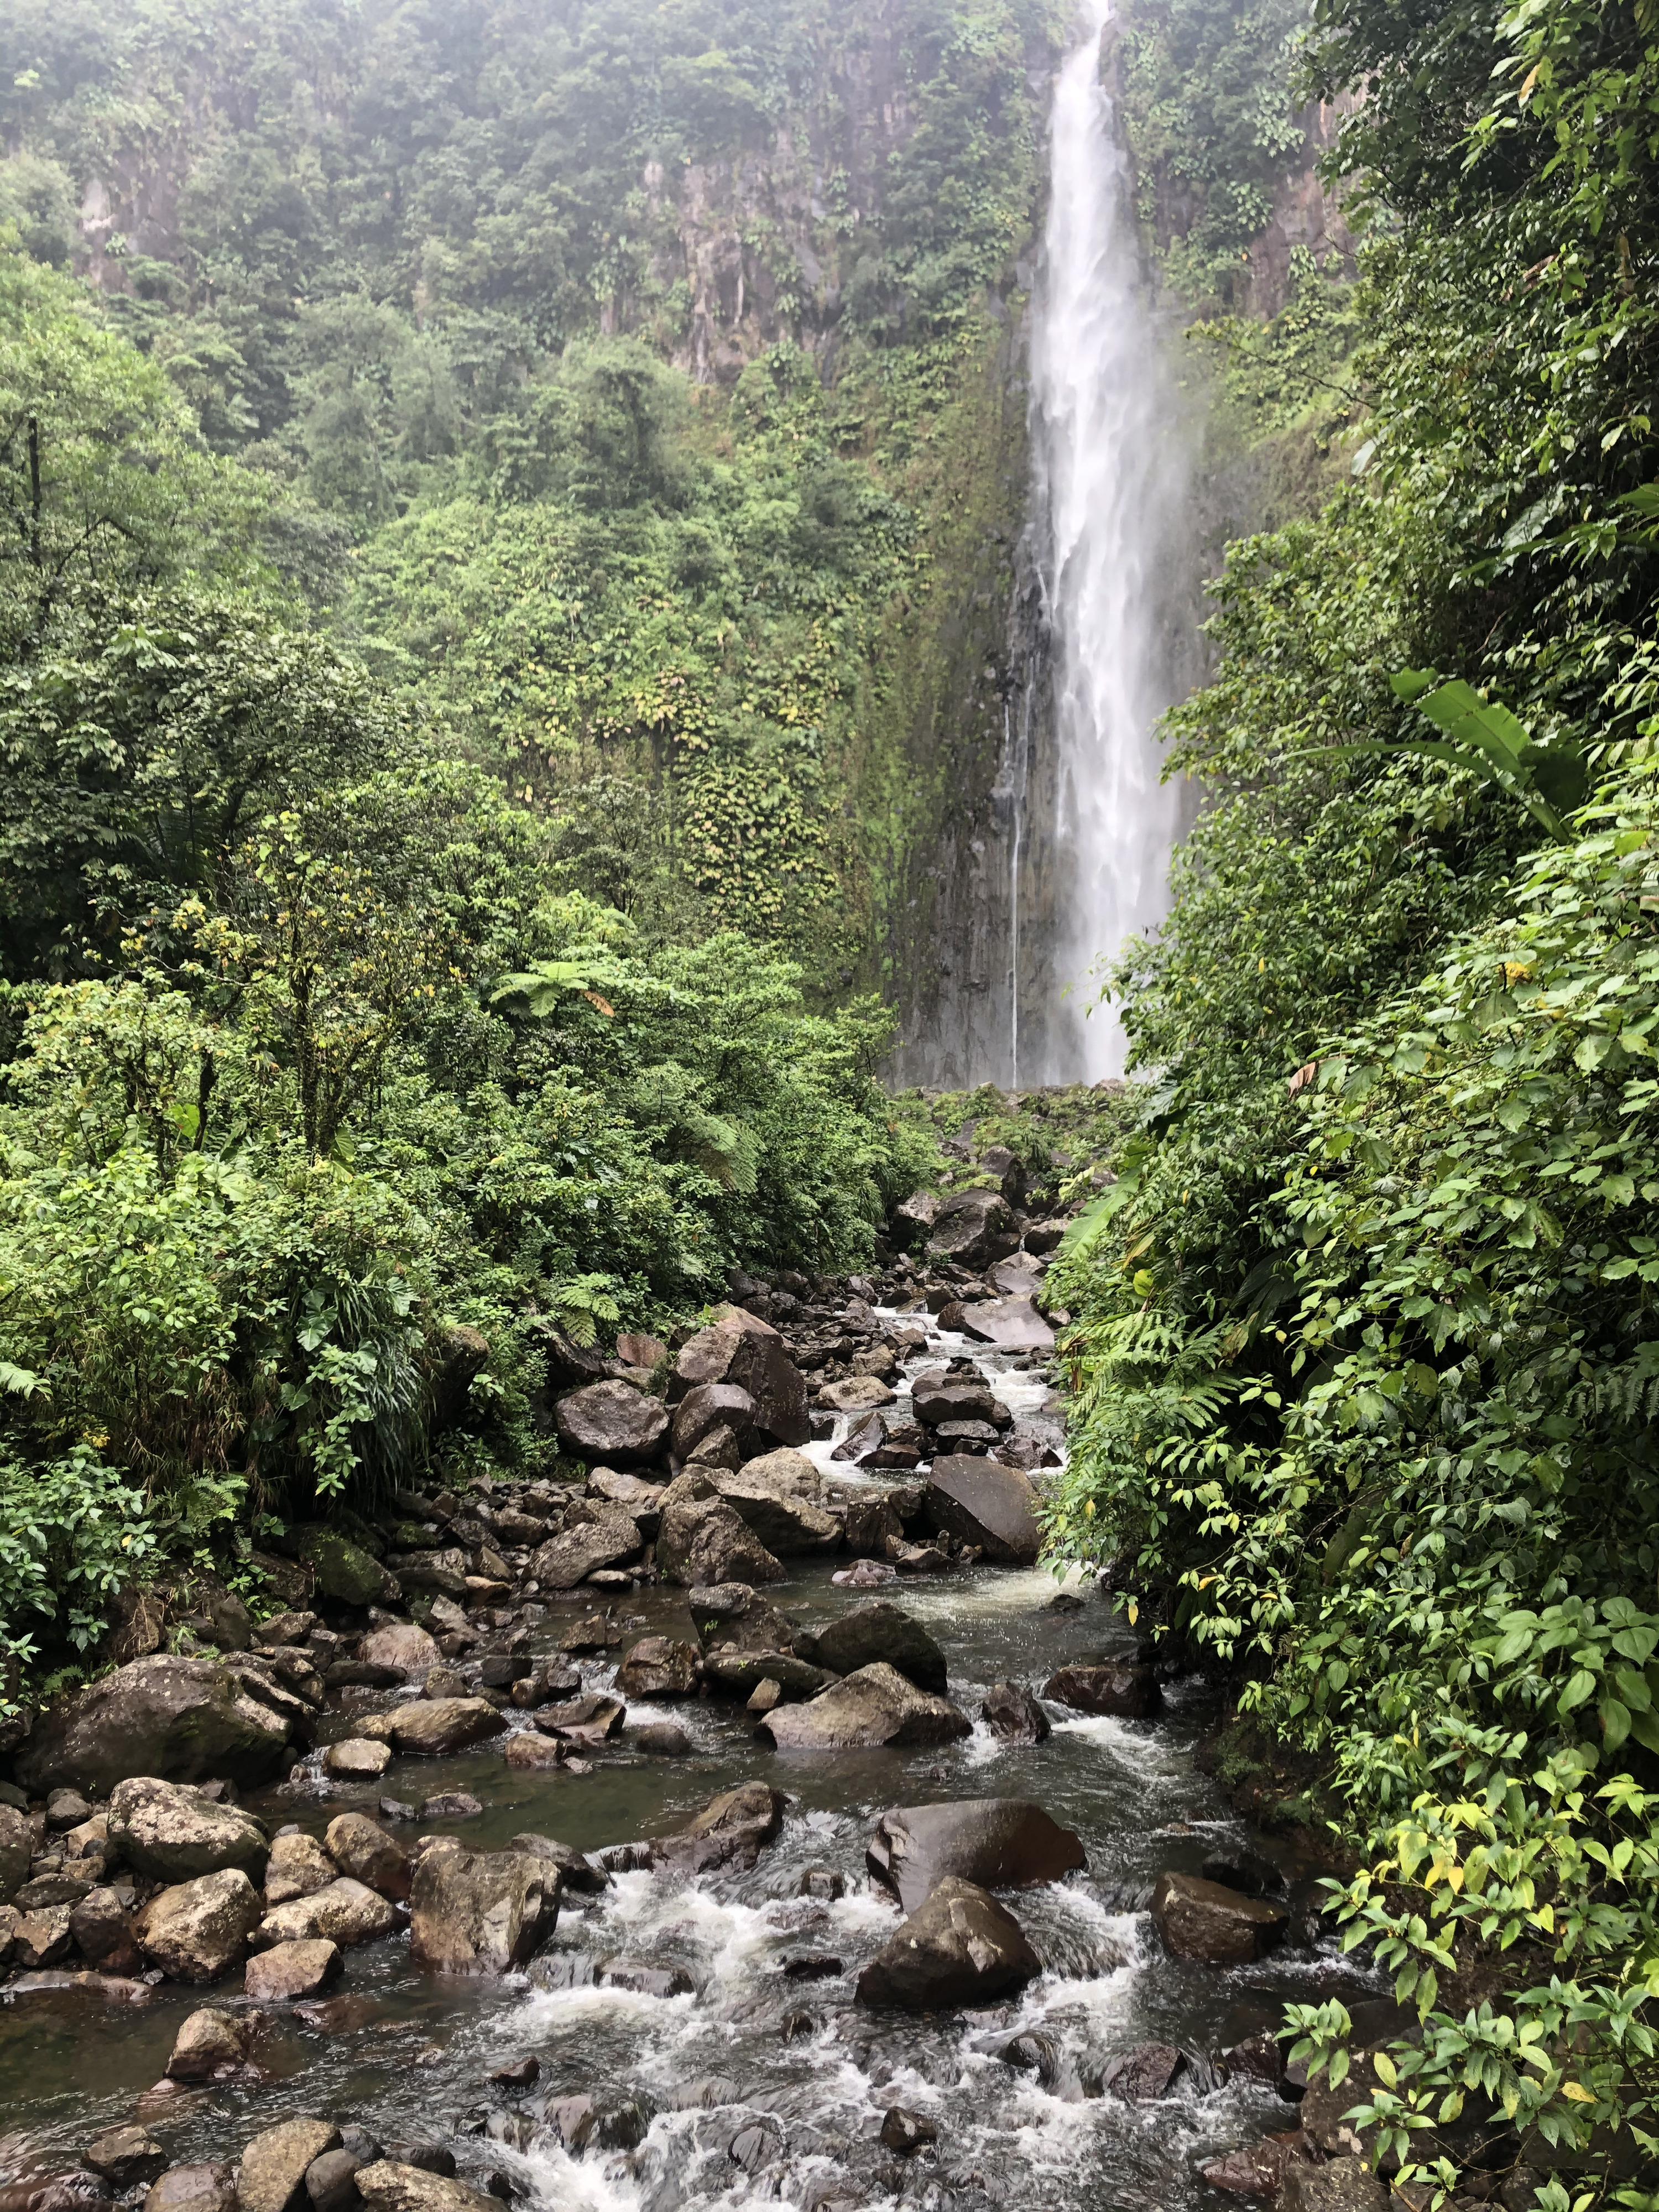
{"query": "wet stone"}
{"type": "Point", "coordinates": [126, 2156]}
{"type": "Point", "coordinates": [904, 2132]}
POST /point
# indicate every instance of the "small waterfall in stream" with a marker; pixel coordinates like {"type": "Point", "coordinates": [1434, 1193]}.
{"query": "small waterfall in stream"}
{"type": "Point", "coordinates": [1109, 490]}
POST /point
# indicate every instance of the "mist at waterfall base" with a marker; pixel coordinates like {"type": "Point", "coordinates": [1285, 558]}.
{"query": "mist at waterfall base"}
{"type": "Point", "coordinates": [1109, 489]}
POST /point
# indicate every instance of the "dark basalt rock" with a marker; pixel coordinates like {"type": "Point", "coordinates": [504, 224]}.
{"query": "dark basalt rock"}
{"type": "Point", "coordinates": [730, 1831]}
{"type": "Point", "coordinates": [983, 1502]}
{"type": "Point", "coordinates": [876, 1705]}
{"type": "Point", "coordinates": [959, 1948]}
{"type": "Point", "coordinates": [182, 1720]}
{"type": "Point", "coordinates": [1119, 1689]}
{"type": "Point", "coordinates": [880, 1630]}
{"type": "Point", "coordinates": [1200, 1919]}
{"type": "Point", "coordinates": [997, 1843]}
{"type": "Point", "coordinates": [1014, 1715]}
{"type": "Point", "coordinates": [613, 1422]}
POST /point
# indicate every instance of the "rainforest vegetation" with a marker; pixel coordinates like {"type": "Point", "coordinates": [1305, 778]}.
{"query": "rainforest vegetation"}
{"type": "Point", "coordinates": [456, 672]}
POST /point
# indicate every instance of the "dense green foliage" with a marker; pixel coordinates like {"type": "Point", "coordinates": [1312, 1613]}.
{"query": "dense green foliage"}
{"type": "Point", "coordinates": [1368, 1350]}
{"type": "Point", "coordinates": [317, 1048]}
{"type": "Point", "coordinates": [439, 275]}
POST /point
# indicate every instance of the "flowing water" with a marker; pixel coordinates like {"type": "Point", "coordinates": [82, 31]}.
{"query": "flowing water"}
{"type": "Point", "coordinates": [1110, 491]}
{"type": "Point", "coordinates": [754, 2087]}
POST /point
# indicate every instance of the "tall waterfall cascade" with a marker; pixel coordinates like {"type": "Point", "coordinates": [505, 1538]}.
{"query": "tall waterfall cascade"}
{"type": "Point", "coordinates": [1109, 491]}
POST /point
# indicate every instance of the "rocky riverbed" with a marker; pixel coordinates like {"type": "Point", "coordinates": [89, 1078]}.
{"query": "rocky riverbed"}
{"type": "Point", "coordinates": [751, 1822]}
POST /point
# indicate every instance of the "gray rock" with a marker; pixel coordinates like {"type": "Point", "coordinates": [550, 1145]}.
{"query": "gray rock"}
{"type": "Point", "coordinates": [660, 1667]}
{"type": "Point", "coordinates": [408, 1651]}
{"type": "Point", "coordinates": [1345, 2185]}
{"type": "Point", "coordinates": [960, 1948]}
{"type": "Point", "coordinates": [664, 1739]}
{"type": "Point", "coordinates": [209, 2042]}
{"type": "Point", "coordinates": [875, 1705]}
{"type": "Point", "coordinates": [391, 2188]}
{"type": "Point", "coordinates": [193, 2189]}
{"type": "Point", "coordinates": [574, 1872]}
{"type": "Point", "coordinates": [364, 1850]}
{"type": "Point", "coordinates": [1014, 1715]}
{"type": "Point", "coordinates": [975, 1228]}
{"type": "Point", "coordinates": [998, 1843]}
{"type": "Point", "coordinates": [613, 1422]}
{"type": "Point", "coordinates": [1144, 2075]}
{"type": "Point", "coordinates": [198, 1930]}
{"type": "Point", "coordinates": [273, 2175]}
{"type": "Point", "coordinates": [125, 2156]}
{"type": "Point", "coordinates": [856, 1394]}
{"type": "Point", "coordinates": [880, 1630]}
{"type": "Point", "coordinates": [331, 2180]}
{"type": "Point", "coordinates": [1013, 1324]}
{"type": "Point", "coordinates": [640, 1499]}
{"type": "Point", "coordinates": [1119, 1689]}
{"type": "Point", "coordinates": [981, 1502]}
{"type": "Point", "coordinates": [183, 1719]}
{"type": "Point", "coordinates": [740, 1673]}
{"type": "Point", "coordinates": [734, 1613]}
{"type": "Point", "coordinates": [17, 1849]}
{"type": "Point", "coordinates": [170, 1832]}
{"type": "Point", "coordinates": [709, 1407]}
{"type": "Point", "coordinates": [939, 1397]}
{"type": "Point", "coordinates": [741, 1350]}
{"type": "Point", "coordinates": [343, 1570]}
{"type": "Point", "coordinates": [730, 1832]}
{"type": "Point", "coordinates": [611, 1535]}
{"type": "Point", "coordinates": [704, 1540]}
{"type": "Point", "coordinates": [98, 1925]}
{"type": "Point", "coordinates": [347, 1912]}
{"type": "Point", "coordinates": [289, 1971]}
{"type": "Point", "coordinates": [432, 1727]}
{"type": "Point", "coordinates": [1203, 1920]}
{"type": "Point", "coordinates": [480, 1912]}
{"type": "Point", "coordinates": [357, 1758]}
{"type": "Point", "coordinates": [298, 1867]}
{"type": "Point", "coordinates": [779, 1496]}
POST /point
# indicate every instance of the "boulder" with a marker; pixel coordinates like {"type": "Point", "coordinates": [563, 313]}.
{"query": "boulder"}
{"type": "Point", "coordinates": [779, 1496]}
{"type": "Point", "coordinates": [17, 1849]}
{"type": "Point", "coordinates": [730, 1833]}
{"type": "Point", "coordinates": [193, 2189]}
{"type": "Point", "coordinates": [208, 2042]}
{"type": "Point", "coordinates": [331, 2181]}
{"type": "Point", "coordinates": [703, 1539]}
{"type": "Point", "coordinates": [975, 1228]}
{"type": "Point", "coordinates": [959, 1948]}
{"type": "Point", "coordinates": [347, 1912]}
{"type": "Point", "coordinates": [574, 1872]}
{"type": "Point", "coordinates": [663, 1739]}
{"type": "Point", "coordinates": [637, 1351]}
{"type": "Point", "coordinates": [733, 1613]}
{"type": "Point", "coordinates": [873, 1528]}
{"type": "Point", "coordinates": [408, 1651]}
{"type": "Point", "coordinates": [998, 1843]}
{"type": "Point", "coordinates": [1204, 1920]}
{"type": "Point", "coordinates": [743, 1350]}
{"type": "Point", "coordinates": [1118, 1689]}
{"type": "Point", "coordinates": [740, 1673]}
{"type": "Point", "coordinates": [342, 1570]}
{"type": "Point", "coordinates": [432, 1727]}
{"type": "Point", "coordinates": [611, 1422]}
{"type": "Point", "coordinates": [126, 2157]}
{"type": "Point", "coordinates": [939, 1398]}
{"type": "Point", "coordinates": [363, 1849]}
{"type": "Point", "coordinates": [198, 1930]}
{"type": "Point", "coordinates": [1019, 1276]}
{"type": "Point", "coordinates": [1345, 2184]}
{"type": "Point", "coordinates": [289, 1972]}
{"type": "Point", "coordinates": [640, 1499]}
{"type": "Point", "coordinates": [1144, 2075]}
{"type": "Point", "coordinates": [526, 1753]}
{"type": "Point", "coordinates": [298, 1865]}
{"type": "Point", "coordinates": [611, 1535]}
{"type": "Point", "coordinates": [595, 1716]}
{"type": "Point", "coordinates": [181, 1720]}
{"type": "Point", "coordinates": [480, 1912]}
{"type": "Point", "coordinates": [904, 2133]}
{"type": "Point", "coordinates": [1013, 1714]}
{"type": "Point", "coordinates": [1013, 1324]}
{"type": "Point", "coordinates": [913, 1216]}
{"type": "Point", "coordinates": [875, 1705]}
{"type": "Point", "coordinates": [357, 1758]}
{"type": "Point", "coordinates": [659, 1667]}
{"type": "Point", "coordinates": [388, 2187]}
{"type": "Point", "coordinates": [41, 1936]}
{"type": "Point", "coordinates": [981, 1502]}
{"type": "Point", "coordinates": [880, 1630]}
{"type": "Point", "coordinates": [273, 2175]}
{"type": "Point", "coordinates": [709, 1407]}
{"type": "Point", "coordinates": [1256, 2169]}
{"type": "Point", "coordinates": [856, 1394]}
{"type": "Point", "coordinates": [99, 1928]}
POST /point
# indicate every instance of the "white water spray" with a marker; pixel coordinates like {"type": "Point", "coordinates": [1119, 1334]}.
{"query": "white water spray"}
{"type": "Point", "coordinates": [1109, 479]}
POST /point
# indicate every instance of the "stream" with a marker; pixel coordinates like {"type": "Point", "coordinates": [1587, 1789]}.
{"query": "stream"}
{"type": "Point", "coordinates": [754, 2085]}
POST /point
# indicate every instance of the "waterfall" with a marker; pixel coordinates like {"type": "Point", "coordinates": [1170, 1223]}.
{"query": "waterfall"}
{"type": "Point", "coordinates": [1109, 488]}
